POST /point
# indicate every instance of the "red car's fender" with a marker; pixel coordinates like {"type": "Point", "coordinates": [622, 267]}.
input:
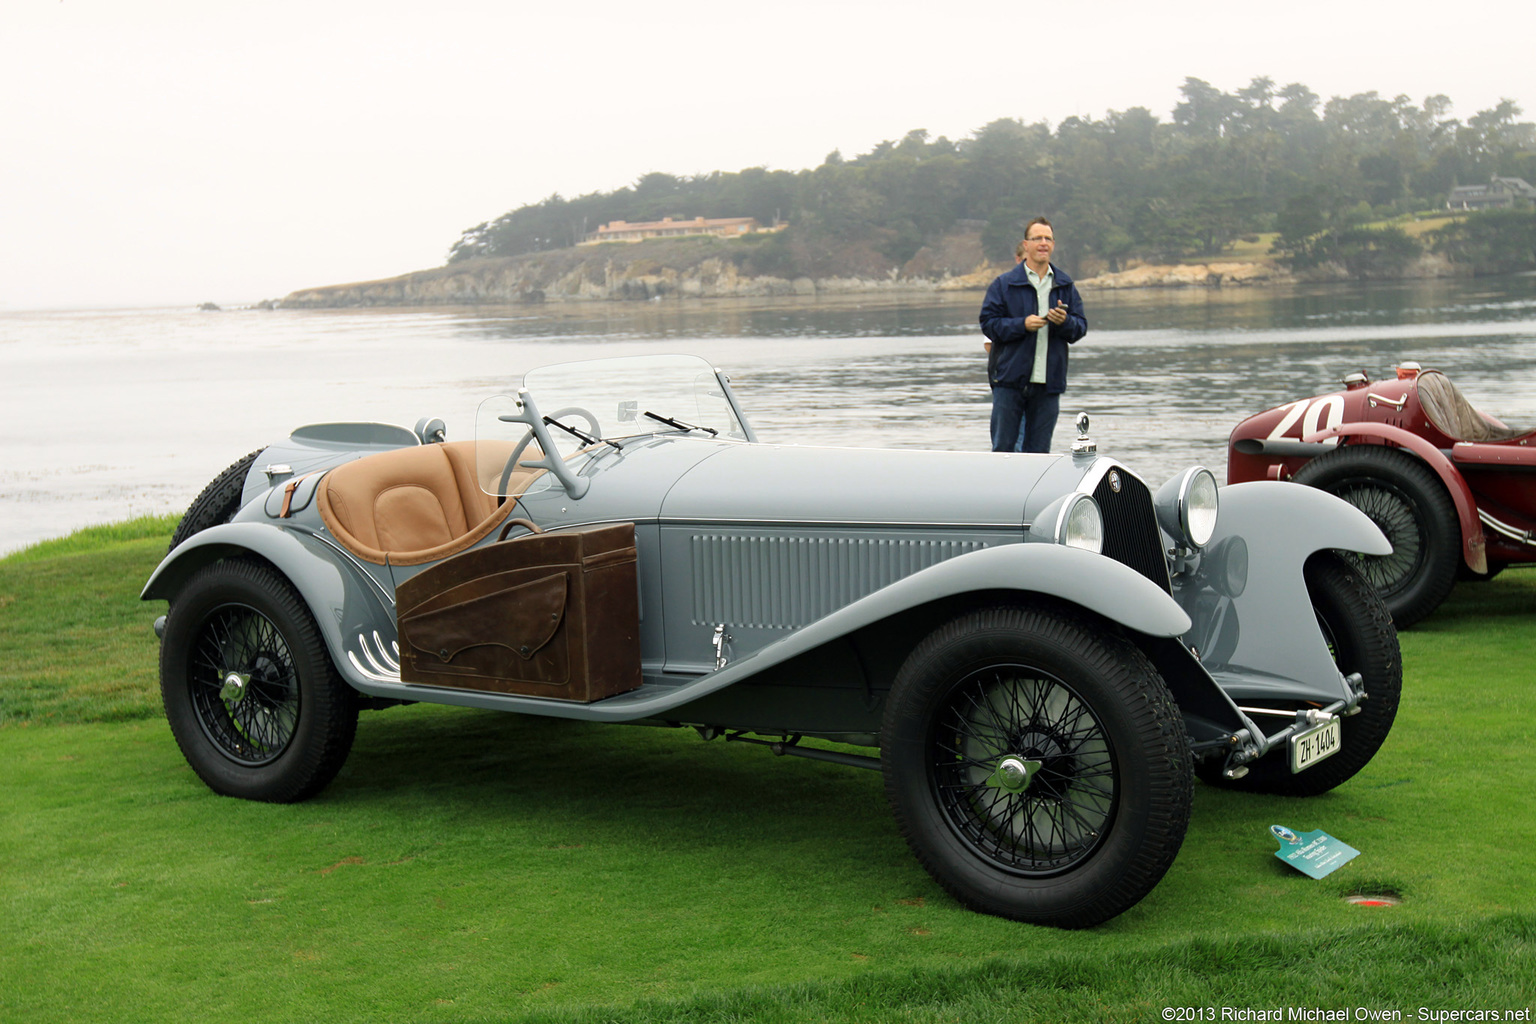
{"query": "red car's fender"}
{"type": "Point", "coordinates": [1472, 543]}
{"type": "Point", "coordinates": [1496, 455]}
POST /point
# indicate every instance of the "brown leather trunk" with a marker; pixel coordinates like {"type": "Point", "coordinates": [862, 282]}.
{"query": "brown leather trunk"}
{"type": "Point", "coordinates": [545, 615]}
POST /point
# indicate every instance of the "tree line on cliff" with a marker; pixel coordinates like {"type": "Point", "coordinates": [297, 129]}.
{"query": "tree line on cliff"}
{"type": "Point", "coordinates": [1124, 187]}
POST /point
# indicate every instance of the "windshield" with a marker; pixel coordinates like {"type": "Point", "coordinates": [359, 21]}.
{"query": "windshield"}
{"type": "Point", "coordinates": [608, 399]}
{"type": "Point", "coordinates": [619, 392]}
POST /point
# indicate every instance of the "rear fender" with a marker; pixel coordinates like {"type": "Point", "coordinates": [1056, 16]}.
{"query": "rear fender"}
{"type": "Point", "coordinates": [355, 614]}
{"type": "Point", "coordinates": [1473, 550]}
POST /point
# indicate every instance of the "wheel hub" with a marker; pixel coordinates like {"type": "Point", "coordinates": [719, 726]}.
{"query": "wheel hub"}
{"type": "Point", "coordinates": [1013, 774]}
{"type": "Point", "coordinates": [1023, 770]}
{"type": "Point", "coordinates": [1047, 751]}
{"type": "Point", "coordinates": [233, 690]}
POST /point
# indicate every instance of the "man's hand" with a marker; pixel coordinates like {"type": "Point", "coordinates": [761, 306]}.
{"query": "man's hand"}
{"type": "Point", "coordinates": [1053, 316]}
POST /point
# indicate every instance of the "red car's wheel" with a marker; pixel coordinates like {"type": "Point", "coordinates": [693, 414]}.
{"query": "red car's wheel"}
{"type": "Point", "coordinates": [1406, 500]}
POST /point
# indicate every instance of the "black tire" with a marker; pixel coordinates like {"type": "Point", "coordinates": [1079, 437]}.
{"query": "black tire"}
{"type": "Point", "coordinates": [1408, 502]}
{"type": "Point", "coordinates": [1361, 637]}
{"type": "Point", "coordinates": [218, 502]}
{"type": "Point", "coordinates": [282, 733]}
{"type": "Point", "coordinates": [1103, 817]}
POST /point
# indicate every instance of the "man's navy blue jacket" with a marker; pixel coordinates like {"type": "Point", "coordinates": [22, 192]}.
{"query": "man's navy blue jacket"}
{"type": "Point", "coordinates": [1009, 300]}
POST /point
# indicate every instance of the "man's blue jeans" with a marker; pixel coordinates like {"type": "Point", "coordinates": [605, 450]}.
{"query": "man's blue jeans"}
{"type": "Point", "coordinates": [1023, 418]}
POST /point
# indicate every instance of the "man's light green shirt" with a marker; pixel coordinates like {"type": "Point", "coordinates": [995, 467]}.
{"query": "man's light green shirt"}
{"type": "Point", "coordinates": [1042, 306]}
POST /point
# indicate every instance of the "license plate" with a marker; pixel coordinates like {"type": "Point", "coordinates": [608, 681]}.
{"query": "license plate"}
{"type": "Point", "coordinates": [1318, 742]}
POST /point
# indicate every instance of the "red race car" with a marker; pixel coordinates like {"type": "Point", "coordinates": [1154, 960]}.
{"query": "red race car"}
{"type": "Point", "coordinates": [1453, 488]}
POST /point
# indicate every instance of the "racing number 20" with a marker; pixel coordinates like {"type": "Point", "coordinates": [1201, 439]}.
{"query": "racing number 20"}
{"type": "Point", "coordinates": [1320, 414]}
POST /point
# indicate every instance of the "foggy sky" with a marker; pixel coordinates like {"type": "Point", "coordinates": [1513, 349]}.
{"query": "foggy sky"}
{"type": "Point", "coordinates": [180, 151]}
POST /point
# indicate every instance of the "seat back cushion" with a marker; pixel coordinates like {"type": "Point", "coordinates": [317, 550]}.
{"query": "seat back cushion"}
{"type": "Point", "coordinates": [411, 505]}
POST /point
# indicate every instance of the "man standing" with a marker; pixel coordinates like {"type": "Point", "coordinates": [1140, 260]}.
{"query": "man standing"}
{"type": "Point", "coordinates": [1027, 354]}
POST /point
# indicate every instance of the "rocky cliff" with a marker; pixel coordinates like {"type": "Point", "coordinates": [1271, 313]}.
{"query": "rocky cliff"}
{"type": "Point", "coordinates": [685, 268]}
{"type": "Point", "coordinates": [710, 268]}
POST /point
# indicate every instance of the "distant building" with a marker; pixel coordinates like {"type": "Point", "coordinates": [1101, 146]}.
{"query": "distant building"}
{"type": "Point", "coordinates": [1500, 193]}
{"type": "Point", "coordinates": [720, 227]}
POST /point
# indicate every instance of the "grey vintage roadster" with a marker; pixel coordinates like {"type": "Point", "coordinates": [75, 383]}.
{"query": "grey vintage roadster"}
{"type": "Point", "coordinates": [1044, 651]}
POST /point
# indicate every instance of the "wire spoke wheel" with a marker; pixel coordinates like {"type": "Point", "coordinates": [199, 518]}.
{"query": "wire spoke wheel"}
{"type": "Point", "coordinates": [1064, 813]}
{"type": "Point", "coordinates": [1393, 512]}
{"type": "Point", "coordinates": [1036, 764]}
{"type": "Point", "coordinates": [250, 693]}
{"type": "Point", "coordinates": [1408, 502]}
{"type": "Point", "coordinates": [244, 686]}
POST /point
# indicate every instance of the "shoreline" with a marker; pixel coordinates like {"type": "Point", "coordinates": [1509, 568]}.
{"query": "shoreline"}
{"type": "Point", "coordinates": [513, 284]}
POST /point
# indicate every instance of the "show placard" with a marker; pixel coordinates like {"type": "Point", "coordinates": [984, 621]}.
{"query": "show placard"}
{"type": "Point", "coordinates": [1315, 854]}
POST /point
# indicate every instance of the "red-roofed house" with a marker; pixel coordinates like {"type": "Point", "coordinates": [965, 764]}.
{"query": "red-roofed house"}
{"type": "Point", "coordinates": [720, 227]}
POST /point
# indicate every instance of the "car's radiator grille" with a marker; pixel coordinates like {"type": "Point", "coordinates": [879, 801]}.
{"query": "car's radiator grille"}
{"type": "Point", "coordinates": [1130, 527]}
{"type": "Point", "coordinates": [786, 582]}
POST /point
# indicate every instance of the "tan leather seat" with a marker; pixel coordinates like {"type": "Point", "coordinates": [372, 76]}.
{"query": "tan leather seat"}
{"type": "Point", "coordinates": [1449, 410]}
{"type": "Point", "coordinates": [416, 505]}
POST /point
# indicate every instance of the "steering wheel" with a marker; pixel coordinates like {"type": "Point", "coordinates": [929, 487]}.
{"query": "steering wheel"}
{"type": "Point", "coordinates": [517, 453]}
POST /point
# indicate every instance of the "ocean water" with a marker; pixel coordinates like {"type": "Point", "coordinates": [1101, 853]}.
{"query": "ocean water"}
{"type": "Point", "coordinates": [110, 414]}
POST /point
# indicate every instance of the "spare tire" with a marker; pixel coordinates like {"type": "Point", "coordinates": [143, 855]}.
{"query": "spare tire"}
{"type": "Point", "coordinates": [218, 502]}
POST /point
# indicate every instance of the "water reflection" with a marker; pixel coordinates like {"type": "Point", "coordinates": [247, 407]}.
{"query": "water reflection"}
{"type": "Point", "coordinates": [835, 317]}
{"type": "Point", "coordinates": [944, 314]}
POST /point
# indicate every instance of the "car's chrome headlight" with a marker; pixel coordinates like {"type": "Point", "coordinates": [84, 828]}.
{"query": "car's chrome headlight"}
{"type": "Point", "coordinates": [1187, 507]}
{"type": "Point", "coordinates": [1072, 519]}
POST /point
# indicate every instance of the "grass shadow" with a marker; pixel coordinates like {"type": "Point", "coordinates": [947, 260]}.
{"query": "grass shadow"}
{"type": "Point", "coordinates": [609, 781]}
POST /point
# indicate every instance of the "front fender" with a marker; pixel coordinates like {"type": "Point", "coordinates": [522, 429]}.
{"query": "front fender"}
{"type": "Point", "coordinates": [1253, 625]}
{"type": "Point", "coordinates": [1090, 580]}
{"type": "Point", "coordinates": [346, 602]}
{"type": "Point", "coordinates": [1473, 545]}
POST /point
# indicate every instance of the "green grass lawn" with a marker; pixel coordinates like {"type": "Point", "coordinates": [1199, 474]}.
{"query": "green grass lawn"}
{"type": "Point", "coordinates": [473, 866]}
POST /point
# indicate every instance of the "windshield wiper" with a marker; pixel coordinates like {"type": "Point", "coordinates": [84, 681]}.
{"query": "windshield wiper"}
{"type": "Point", "coordinates": [680, 425]}
{"type": "Point", "coordinates": [581, 434]}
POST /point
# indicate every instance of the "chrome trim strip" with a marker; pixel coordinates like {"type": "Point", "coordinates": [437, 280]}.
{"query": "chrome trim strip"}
{"type": "Point", "coordinates": [1504, 529]}
{"type": "Point", "coordinates": [382, 662]}
{"type": "Point", "coordinates": [368, 674]}
{"type": "Point", "coordinates": [1396, 404]}
{"type": "Point", "coordinates": [381, 667]}
{"type": "Point", "coordinates": [858, 524]}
